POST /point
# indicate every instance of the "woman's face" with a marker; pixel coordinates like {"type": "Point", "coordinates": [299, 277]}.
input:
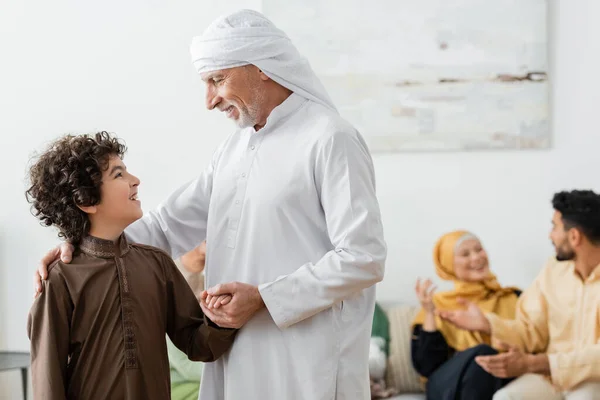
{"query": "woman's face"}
{"type": "Point", "coordinates": [471, 261]}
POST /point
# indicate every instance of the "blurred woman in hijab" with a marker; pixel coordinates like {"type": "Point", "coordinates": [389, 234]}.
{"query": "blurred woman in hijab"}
{"type": "Point", "coordinates": [443, 354]}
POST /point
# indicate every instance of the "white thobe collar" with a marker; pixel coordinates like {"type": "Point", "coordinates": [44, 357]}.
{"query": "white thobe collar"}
{"type": "Point", "coordinates": [279, 113]}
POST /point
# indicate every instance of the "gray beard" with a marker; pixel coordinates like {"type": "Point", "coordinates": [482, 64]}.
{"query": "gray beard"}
{"type": "Point", "coordinates": [248, 118]}
{"type": "Point", "coordinates": [245, 120]}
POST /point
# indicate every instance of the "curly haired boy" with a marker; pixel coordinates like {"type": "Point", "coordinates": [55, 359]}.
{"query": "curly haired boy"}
{"type": "Point", "coordinates": [98, 329]}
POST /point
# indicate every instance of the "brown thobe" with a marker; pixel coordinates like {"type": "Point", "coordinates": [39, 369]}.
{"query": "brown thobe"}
{"type": "Point", "coordinates": [98, 329]}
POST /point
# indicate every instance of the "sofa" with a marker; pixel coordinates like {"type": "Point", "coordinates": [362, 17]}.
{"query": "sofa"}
{"type": "Point", "coordinates": [400, 373]}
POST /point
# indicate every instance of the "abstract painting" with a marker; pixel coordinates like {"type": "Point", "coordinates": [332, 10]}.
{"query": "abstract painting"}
{"type": "Point", "coordinates": [430, 74]}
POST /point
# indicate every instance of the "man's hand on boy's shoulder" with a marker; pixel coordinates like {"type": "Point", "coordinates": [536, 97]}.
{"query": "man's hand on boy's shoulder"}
{"type": "Point", "coordinates": [64, 252]}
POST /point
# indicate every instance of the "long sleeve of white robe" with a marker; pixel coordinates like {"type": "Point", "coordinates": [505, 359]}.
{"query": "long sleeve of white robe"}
{"type": "Point", "coordinates": [344, 177]}
{"type": "Point", "coordinates": [179, 224]}
{"type": "Point", "coordinates": [344, 174]}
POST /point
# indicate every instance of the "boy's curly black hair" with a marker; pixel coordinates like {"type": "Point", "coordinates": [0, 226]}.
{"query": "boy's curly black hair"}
{"type": "Point", "coordinates": [580, 209]}
{"type": "Point", "coordinates": [68, 175]}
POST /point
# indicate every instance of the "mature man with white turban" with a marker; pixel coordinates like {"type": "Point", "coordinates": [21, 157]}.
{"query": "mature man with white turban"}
{"type": "Point", "coordinates": [292, 223]}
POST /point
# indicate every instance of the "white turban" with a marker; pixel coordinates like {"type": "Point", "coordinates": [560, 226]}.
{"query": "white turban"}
{"type": "Point", "coordinates": [248, 37]}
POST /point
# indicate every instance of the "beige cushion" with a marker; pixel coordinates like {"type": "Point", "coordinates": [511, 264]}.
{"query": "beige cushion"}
{"type": "Point", "coordinates": [400, 372]}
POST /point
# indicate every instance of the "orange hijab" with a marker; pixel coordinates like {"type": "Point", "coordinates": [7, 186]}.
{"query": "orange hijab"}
{"type": "Point", "coordinates": [487, 294]}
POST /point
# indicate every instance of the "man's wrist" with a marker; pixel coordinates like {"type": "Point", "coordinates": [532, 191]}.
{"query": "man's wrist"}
{"type": "Point", "coordinates": [538, 364]}
{"type": "Point", "coordinates": [259, 300]}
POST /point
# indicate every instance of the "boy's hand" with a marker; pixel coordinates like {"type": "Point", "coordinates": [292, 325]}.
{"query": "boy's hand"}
{"type": "Point", "coordinates": [245, 302]}
{"type": "Point", "coordinates": [217, 301]}
{"type": "Point", "coordinates": [64, 252]}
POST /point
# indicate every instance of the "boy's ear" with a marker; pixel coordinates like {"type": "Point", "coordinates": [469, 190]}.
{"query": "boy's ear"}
{"type": "Point", "coordinates": [88, 209]}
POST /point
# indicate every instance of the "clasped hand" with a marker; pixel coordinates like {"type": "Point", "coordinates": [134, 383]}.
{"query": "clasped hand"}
{"type": "Point", "coordinates": [231, 305]}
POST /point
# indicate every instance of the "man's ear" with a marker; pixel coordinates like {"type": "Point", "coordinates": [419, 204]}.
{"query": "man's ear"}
{"type": "Point", "coordinates": [574, 236]}
{"type": "Point", "coordinates": [263, 76]}
{"type": "Point", "coordinates": [88, 209]}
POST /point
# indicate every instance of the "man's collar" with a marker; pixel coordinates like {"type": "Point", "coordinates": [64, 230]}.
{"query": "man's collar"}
{"type": "Point", "coordinates": [593, 276]}
{"type": "Point", "coordinates": [289, 105]}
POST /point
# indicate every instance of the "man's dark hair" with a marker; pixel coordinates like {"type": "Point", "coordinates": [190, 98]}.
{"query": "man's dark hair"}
{"type": "Point", "coordinates": [68, 175]}
{"type": "Point", "coordinates": [580, 209]}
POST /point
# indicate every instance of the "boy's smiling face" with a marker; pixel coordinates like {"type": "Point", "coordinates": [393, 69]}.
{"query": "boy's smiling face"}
{"type": "Point", "coordinates": [119, 205]}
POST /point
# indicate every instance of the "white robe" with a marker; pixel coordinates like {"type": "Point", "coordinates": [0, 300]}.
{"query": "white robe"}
{"type": "Point", "coordinates": [292, 209]}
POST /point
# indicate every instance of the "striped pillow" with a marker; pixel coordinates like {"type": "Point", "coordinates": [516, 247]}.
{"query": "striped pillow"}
{"type": "Point", "coordinates": [400, 373]}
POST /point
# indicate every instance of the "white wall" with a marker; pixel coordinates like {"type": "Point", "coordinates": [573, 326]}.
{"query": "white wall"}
{"type": "Point", "coordinates": [502, 197]}
{"type": "Point", "coordinates": [124, 67]}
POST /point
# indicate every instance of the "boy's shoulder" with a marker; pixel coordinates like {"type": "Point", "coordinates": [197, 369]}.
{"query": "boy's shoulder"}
{"type": "Point", "coordinates": [57, 279]}
{"type": "Point", "coordinates": [56, 270]}
{"type": "Point", "coordinates": [59, 271]}
{"type": "Point", "coordinates": [151, 250]}
{"type": "Point", "coordinates": [55, 266]}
